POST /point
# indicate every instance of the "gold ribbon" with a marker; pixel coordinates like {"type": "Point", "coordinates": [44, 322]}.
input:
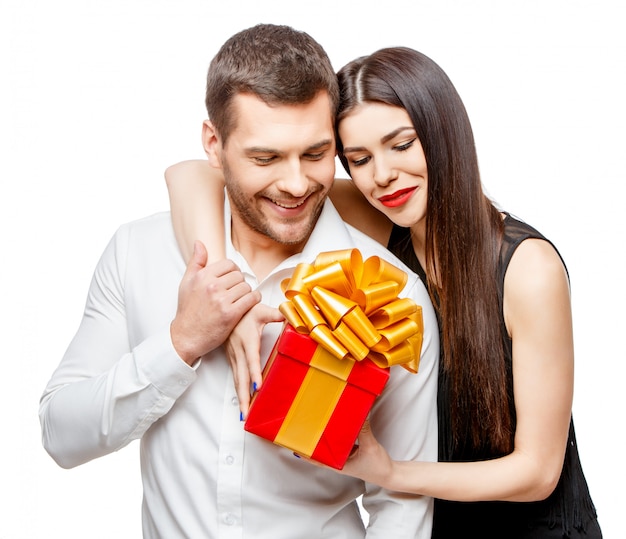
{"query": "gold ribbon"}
{"type": "Point", "coordinates": [352, 309]}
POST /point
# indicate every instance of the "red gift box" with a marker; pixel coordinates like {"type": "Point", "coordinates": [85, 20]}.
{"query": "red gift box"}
{"type": "Point", "coordinates": [345, 327]}
{"type": "Point", "coordinates": [311, 402]}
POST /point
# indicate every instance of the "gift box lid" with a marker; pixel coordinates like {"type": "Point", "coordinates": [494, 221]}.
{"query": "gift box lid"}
{"type": "Point", "coordinates": [300, 347]}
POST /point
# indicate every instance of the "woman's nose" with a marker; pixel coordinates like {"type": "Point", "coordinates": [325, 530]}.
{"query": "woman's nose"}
{"type": "Point", "coordinates": [384, 172]}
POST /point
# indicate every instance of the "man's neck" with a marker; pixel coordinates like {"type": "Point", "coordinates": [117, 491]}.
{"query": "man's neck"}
{"type": "Point", "coordinates": [262, 253]}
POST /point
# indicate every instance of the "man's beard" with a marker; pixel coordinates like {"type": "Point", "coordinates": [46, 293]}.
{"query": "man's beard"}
{"type": "Point", "coordinates": [247, 210]}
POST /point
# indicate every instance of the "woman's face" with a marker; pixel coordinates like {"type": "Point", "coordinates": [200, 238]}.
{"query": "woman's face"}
{"type": "Point", "coordinates": [386, 161]}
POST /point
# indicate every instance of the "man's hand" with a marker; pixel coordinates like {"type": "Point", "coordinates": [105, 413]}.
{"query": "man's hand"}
{"type": "Point", "coordinates": [211, 301]}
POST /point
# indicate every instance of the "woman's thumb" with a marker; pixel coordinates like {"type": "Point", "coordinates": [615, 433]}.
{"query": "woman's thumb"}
{"type": "Point", "coordinates": [269, 314]}
{"type": "Point", "coordinates": [365, 435]}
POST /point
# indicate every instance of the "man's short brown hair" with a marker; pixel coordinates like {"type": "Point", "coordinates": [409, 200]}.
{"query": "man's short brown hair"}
{"type": "Point", "coordinates": [278, 64]}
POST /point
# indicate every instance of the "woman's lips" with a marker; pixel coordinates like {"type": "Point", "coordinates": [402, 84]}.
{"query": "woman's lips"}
{"type": "Point", "coordinates": [398, 198]}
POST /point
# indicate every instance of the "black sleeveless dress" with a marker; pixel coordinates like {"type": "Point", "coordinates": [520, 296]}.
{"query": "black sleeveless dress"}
{"type": "Point", "coordinates": [568, 513]}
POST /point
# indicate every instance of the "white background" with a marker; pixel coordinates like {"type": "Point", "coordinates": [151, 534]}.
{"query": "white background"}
{"type": "Point", "coordinates": [97, 98]}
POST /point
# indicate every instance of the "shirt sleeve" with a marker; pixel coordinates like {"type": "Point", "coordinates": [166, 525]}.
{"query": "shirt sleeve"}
{"type": "Point", "coordinates": [104, 394]}
{"type": "Point", "coordinates": [404, 420]}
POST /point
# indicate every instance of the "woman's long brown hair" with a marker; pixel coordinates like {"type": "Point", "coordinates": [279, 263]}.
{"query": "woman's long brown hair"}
{"type": "Point", "coordinates": [463, 236]}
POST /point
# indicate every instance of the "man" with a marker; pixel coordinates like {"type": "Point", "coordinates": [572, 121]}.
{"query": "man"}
{"type": "Point", "coordinates": [148, 361]}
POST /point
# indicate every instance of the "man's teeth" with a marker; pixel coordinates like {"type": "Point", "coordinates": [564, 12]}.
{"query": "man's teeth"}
{"type": "Point", "coordinates": [288, 206]}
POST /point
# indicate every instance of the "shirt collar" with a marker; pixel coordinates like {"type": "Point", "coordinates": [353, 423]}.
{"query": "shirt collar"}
{"type": "Point", "coordinates": [330, 234]}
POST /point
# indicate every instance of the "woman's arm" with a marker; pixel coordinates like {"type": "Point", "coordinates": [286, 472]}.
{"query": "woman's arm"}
{"type": "Point", "coordinates": [196, 193]}
{"type": "Point", "coordinates": [358, 212]}
{"type": "Point", "coordinates": [538, 317]}
{"type": "Point", "coordinates": [196, 198]}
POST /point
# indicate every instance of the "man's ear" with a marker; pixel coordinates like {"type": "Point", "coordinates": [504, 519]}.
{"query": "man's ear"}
{"type": "Point", "coordinates": [212, 144]}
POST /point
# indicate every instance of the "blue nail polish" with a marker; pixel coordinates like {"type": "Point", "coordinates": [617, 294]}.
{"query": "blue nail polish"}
{"type": "Point", "coordinates": [296, 455]}
{"type": "Point", "coordinates": [240, 416]}
{"type": "Point", "coordinates": [254, 386]}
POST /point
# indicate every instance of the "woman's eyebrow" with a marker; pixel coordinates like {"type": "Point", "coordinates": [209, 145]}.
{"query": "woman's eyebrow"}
{"type": "Point", "coordinates": [395, 132]}
{"type": "Point", "coordinates": [385, 138]}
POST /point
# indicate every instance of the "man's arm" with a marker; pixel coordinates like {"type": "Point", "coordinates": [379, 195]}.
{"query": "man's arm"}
{"type": "Point", "coordinates": [106, 393]}
{"type": "Point", "coordinates": [404, 419]}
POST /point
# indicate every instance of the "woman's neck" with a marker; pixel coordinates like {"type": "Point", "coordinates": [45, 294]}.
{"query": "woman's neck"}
{"type": "Point", "coordinates": [418, 239]}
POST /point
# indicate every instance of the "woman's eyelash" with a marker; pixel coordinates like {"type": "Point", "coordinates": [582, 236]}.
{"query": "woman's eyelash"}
{"type": "Point", "coordinates": [405, 146]}
{"type": "Point", "coordinates": [399, 148]}
{"type": "Point", "coordinates": [359, 162]}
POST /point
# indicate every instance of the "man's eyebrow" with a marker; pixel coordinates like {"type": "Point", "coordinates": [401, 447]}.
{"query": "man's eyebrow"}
{"type": "Point", "coordinates": [383, 139]}
{"type": "Point", "coordinates": [313, 147]}
{"type": "Point", "coordinates": [319, 145]}
{"type": "Point", "coordinates": [260, 149]}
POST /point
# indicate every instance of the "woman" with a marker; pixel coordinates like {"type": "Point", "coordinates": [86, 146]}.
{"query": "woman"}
{"type": "Point", "coordinates": [509, 464]}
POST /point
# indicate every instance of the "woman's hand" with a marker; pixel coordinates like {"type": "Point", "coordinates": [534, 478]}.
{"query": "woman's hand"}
{"type": "Point", "coordinates": [369, 460]}
{"type": "Point", "coordinates": [243, 351]}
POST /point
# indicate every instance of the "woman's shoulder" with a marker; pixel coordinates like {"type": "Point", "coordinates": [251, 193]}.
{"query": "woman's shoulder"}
{"type": "Point", "coordinates": [534, 255]}
{"type": "Point", "coordinates": [518, 233]}
{"type": "Point", "coordinates": [518, 230]}
{"type": "Point", "coordinates": [535, 273]}
{"type": "Point", "coordinates": [530, 265]}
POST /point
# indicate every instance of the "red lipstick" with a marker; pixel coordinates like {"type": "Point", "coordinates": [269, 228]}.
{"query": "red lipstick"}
{"type": "Point", "coordinates": [398, 198]}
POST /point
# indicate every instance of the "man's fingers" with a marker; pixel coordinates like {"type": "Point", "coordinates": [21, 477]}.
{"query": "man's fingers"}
{"type": "Point", "coordinates": [228, 279]}
{"type": "Point", "coordinates": [198, 259]}
{"type": "Point", "coordinates": [245, 301]}
{"type": "Point", "coordinates": [224, 267]}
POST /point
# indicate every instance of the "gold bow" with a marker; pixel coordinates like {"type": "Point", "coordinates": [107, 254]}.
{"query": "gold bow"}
{"type": "Point", "coordinates": [352, 309]}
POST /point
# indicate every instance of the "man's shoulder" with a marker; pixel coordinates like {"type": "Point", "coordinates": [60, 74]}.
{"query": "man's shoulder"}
{"type": "Point", "coordinates": [147, 237]}
{"type": "Point", "coordinates": [157, 225]}
{"type": "Point", "coordinates": [149, 223]}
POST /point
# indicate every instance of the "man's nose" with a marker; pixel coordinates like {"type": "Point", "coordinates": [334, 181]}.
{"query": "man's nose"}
{"type": "Point", "coordinates": [294, 180]}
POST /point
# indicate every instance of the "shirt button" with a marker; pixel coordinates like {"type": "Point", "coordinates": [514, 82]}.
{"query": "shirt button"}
{"type": "Point", "coordinates": [229, 519]}
{"type": "Point", "coordinates": [182, 382]}
{"type": "Point", "coordinates": [229, 459]}
{"type": "Point", "coordinates": [234, 401]}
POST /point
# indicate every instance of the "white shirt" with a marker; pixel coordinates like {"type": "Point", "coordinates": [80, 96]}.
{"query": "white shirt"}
{"type": "Point", "coordinates": [203, 475]}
